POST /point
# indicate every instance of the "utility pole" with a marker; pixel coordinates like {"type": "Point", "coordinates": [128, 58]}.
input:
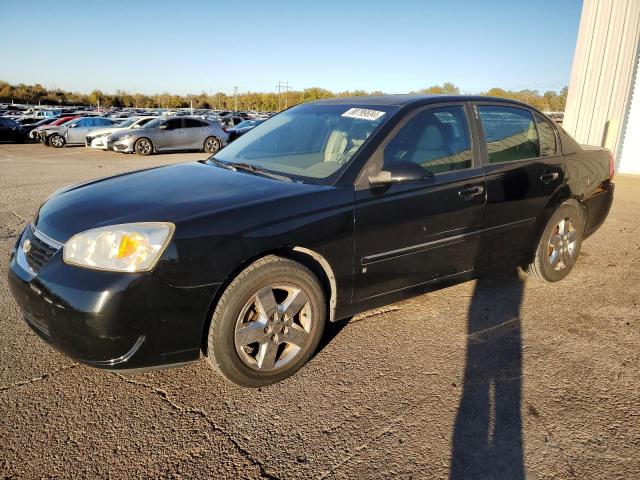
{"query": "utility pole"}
{"type": "Point", "coordinates": [235, 99]}
{"type": "Point", "coordinates": [283, 86]}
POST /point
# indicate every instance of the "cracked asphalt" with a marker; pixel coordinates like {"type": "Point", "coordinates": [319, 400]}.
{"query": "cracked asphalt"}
{"type": "Point", "coordinates": [503, 377]}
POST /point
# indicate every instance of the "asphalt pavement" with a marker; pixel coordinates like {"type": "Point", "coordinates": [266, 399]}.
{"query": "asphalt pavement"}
{"type": "Point", "coordinates": [503, 377]}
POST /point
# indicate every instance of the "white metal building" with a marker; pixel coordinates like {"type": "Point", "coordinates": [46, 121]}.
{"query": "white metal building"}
{"type": "Point", "coordinates": [603, 105]}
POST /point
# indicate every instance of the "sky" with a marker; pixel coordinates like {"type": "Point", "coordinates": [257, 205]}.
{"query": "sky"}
{"type": "Point", "coordinates": [193, 46]}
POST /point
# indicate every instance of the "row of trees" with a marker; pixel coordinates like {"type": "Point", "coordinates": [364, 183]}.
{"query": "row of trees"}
{"type": "Point", "coordinates": [37, 94]}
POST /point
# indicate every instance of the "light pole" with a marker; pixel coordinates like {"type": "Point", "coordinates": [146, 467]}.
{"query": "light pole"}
{"type": "Point", "coordinates": [235, 99]}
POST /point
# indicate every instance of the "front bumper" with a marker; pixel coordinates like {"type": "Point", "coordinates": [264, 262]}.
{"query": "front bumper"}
{"type": "Point", "coordinates": [122, 145]}
{"type": "Point", "coordinates": [108, 319]}
{"type": "Point", "coordinates": [97, 142]}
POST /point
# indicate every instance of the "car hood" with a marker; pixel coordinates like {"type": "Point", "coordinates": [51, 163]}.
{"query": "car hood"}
{"type": "Point", "coordinates": [56, 128]}
{"type": "Point", "coordinates": [163, 194]}
{"type": "Point", "coordinates": [131, 131]}
{"type": "Point", "coordinates": [107, 131]}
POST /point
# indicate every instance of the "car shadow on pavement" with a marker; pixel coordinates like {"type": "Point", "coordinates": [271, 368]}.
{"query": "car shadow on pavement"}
{"type": "Point", "coordinates": [487, 436]}
{"type": "Point", "coordinates": [331, 331]}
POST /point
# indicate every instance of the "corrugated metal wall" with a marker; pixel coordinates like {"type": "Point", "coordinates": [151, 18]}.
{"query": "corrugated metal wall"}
{"type": "Point", "coordinates": [630, 150]}
{"type": "Point", "coordinates": [602, 72]}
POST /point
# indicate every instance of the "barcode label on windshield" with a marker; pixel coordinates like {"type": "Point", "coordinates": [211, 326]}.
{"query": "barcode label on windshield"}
{"type": "Point", "coordinates": [363, 114]}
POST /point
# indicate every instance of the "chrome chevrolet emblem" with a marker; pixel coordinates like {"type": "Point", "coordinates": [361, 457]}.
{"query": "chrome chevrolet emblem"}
{"type": "Point", "coordinates": [26, 246]}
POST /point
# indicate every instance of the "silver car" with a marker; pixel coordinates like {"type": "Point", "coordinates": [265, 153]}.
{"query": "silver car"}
{"type": "Point", "coordinates": [170, 133]}
{"type": "Point", "coordinates": [75, 132]}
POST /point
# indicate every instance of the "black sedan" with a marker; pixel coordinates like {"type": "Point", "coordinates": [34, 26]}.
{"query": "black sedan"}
{"type": "Point", "coordinates": [11, 131]}
{"type": "Point", "coordinates": [323, 211]}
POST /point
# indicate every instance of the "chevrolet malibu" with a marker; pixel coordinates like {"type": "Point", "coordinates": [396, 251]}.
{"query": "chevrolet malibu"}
{"type": "Point", "coordinates": [325, 210]}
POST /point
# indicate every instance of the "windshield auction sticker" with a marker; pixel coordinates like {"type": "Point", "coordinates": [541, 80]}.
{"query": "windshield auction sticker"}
{"type": "Point", "coordinates": [363, 114]}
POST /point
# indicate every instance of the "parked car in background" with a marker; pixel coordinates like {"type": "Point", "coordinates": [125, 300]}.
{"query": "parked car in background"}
{"type": "Point", "coordinates": [31, 120]}
{"type": "Point", "coordinates": [44, 113]}
{"type": "Point", "coordinates": [170, 133]}
{"type": "Point", "coordinates": [28, 128]}
{"type": "Point", "coordinates": [231, 121]}
{"type": "Point", "coordinates": [328, 209]}
{"type": "Point", "coordinates": [11, 131]}
{"type": "Point", "coordinates": [557, 117]}
{"type": "Point", "coordinates": [242, 128]}
{"type": "Point", "coordinates": [39, 133]}
{"type": "Point", "coordinates": [98, 138]}
{"type": "Point", "coordinates": [75, 131]}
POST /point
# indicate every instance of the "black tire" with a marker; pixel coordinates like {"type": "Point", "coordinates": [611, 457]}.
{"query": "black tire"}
{"type": "Point", "coordinates": [553, 263]}
{"type": "Point", "coordinates": [56, 140]}
{"type": "Point", "coordinates": [211, 145]}
{"type": "Point", "coordinates": [143, 146]}
{"type": "Point", "coordinates": [224, 352]}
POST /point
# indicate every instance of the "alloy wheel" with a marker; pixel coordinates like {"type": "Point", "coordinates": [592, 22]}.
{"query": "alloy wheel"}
{"type": "Point", "coordinates": [212, 145]}
{"type": "Point", "coordinates": [143, 146]}
{"type": "Point", "coordinates": [562, 245]}
{"type": "Point", "coordinates": [274, 327]}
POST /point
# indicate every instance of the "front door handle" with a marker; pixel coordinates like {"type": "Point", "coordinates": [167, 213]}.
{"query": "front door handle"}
{"type": "Point", "coordinates": [549, 177]}
{"type": "Point", "coordinates": [470, 192]}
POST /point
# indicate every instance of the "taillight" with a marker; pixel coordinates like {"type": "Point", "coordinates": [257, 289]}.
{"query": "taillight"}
{"type": "Point", "coordinates": [612, 166]}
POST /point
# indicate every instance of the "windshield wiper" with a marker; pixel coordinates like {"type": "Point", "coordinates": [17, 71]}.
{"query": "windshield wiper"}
{"type": "Point", "coordinates": [247, 167]}
{"type": "Point", "coordinates": [220, 164]}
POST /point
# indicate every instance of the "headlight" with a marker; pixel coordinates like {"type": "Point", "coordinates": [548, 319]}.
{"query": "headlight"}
{"type": "Point", "coordinates": [133, 247]}
{"type": "Point", "coordinates": [121, 137]}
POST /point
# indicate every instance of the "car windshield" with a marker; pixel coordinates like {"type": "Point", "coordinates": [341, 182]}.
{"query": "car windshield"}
{"type": "Point", "coordinates": [310, 142]}
{"type": "Point", "coordinates": [125, 123]}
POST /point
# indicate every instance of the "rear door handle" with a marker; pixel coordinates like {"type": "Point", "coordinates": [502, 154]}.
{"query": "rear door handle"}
{"type": "Point", "coordinates": [549, 177]}
{"type": "Point", "coordinates": [470, 192]}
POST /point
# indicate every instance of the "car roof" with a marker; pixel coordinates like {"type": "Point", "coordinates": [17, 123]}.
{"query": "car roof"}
{"type": "Point", "coordinates": [401, 100]}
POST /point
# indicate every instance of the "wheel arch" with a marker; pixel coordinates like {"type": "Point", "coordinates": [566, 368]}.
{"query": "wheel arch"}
{"type": "Point", "coordinates": [561, 196]}
{"type": "Point", "coordinates": [307, 257]}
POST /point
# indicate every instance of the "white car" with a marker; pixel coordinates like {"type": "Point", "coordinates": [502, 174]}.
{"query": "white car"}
{"type": "Point", "coordinates": [98, 138]}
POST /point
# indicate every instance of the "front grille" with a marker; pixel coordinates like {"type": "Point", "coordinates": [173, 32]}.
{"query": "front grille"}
{"type": "Point", "coordinates": [40, 252]}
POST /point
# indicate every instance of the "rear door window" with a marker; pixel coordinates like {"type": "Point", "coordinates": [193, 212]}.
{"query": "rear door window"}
{"type": "Point", "coordinates": [174, 124]}
{"type": "Point", "coordinates": [438, 139]}
{"type": "Point", "coordinates": [510, 133]}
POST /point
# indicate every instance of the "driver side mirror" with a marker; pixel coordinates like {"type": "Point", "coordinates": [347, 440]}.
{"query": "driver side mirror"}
{"type": "Point", "coordinates": [73, 125]}
{"type": "Point", "coordinates": [164, 126]}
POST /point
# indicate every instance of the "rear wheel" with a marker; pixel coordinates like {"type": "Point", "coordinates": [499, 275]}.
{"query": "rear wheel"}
{"type": "Point", "coordinates": [267, 323]}
{"type": "Point", "coordinates": [56, 140]}
{"type": "Point", "coordinates": [143, 146]}
{"type": "Point", "coordinates": [559, 245]}
{"type": "Point", "coordinates": [211, 145]}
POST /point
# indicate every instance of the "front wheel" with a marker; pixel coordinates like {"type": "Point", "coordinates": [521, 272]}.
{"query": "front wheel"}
{"type": "Point", "coordinates": [559, 245]}
{"type": "Point", "coordinates": [211, 145]}
{"type": "Point", "coordinates": [143, 146]}
{"type": "Point", "coordinates": [56, 140]}
{"type": "Point", "coordinates": [267, 323]}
